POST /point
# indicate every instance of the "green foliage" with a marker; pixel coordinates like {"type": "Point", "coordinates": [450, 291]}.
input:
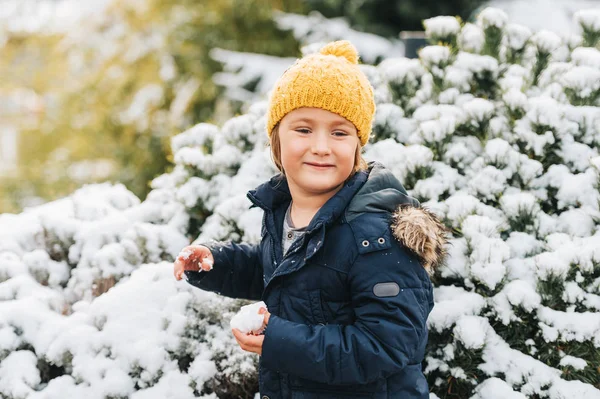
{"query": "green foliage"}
{"type": "Point", "coordinates": [387, 18]}
{"type": "Point", "coordinates": [112, 102]}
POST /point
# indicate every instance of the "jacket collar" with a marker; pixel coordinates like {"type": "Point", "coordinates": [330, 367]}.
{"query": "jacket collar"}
{"type": "Point", "coordinates": [272, 194]}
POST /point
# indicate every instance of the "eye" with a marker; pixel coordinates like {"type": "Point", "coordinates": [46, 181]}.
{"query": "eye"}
{"type": "Point", "coordinates": [303, 130]}
{"type": "Point", "coordinates": [340, 133]}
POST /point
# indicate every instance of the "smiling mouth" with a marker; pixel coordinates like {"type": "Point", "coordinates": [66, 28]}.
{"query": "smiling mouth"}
{"type": "Point", "coordinates": [320, 165]}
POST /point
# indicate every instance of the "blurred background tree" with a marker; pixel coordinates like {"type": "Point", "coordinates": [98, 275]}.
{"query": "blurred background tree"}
{"type": "Point", "coordinates": [388, 17]}
{"type": "Point", "coordinates": [100, 100]}
{"type": "Point", "coordinates": [111, 92]}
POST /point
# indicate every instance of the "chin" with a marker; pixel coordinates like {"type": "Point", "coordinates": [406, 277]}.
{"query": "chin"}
{"type": "Point", "coordinates": [320, 183]}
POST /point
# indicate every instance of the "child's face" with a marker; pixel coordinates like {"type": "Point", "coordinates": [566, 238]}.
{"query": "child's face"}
{"type": "Point", "coordinates": [317, 149]}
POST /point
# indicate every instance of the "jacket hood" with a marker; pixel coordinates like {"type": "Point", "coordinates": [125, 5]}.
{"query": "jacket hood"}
{"type": "Point", "coordinates": [412, 224]}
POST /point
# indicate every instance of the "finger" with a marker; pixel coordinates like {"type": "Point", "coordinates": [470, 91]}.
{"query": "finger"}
{"type": "Point", "coordinates": [238, 337]}
{"type": "Point", "coordinates": [206, 264]}
{"type": "Point", "coordinates": [248, 340]}
{"type": "Point", "coordinates": [185, 254]}
{"type": "Point", "coordinates": [237, 334]}
{"type": "Point", "coordinates": [262, 310]}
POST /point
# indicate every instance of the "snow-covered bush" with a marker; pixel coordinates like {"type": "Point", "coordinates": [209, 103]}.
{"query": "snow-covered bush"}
{"type": "Point", "coordinates": [495, 128]}
{"type": "Point", "coordinates": [89, 306]}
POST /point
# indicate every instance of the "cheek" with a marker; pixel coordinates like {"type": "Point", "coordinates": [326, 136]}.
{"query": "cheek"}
{"type": "Point", "coordinates": [291, 150]}
{"type": "Point", "coordinates": [346, 152]}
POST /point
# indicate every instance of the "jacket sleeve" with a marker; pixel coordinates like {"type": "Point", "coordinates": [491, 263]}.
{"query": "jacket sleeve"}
{"type": "Point", "coordinates": [237, 271]}
{"type": "Point", "coordinates": [386, 335]}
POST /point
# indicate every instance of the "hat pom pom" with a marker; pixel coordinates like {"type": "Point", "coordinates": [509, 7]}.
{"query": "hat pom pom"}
{"type": "Point", "coordinates": [341, 48]}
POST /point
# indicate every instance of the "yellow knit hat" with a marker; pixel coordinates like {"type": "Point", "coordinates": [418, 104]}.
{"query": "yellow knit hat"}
{"type": "Point", "coordinates": [330, 80]}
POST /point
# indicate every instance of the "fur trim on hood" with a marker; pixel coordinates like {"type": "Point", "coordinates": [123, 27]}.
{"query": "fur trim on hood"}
{"type": "Point", "coordinates": [422, 232]}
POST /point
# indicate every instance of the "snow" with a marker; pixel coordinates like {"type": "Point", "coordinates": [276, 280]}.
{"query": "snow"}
{"type": "Point", "coordinates": [560, 16]}
{"type": "Point", "coordinates": [588, 19]}
{"type": "Point", "coordinates": [576, 222]}
{"type": "Point", "coordinates": [583, 80]}
{"type": "Point", "coordinates": [517, 293]}
{"type": "Point", "coordinates": [19, 374]}
{"type": "Point", "coordinates": [241, 68]}
{"type": "Point", "coordinates": [488, 183]}
{"type": "Point", "coordinates": [401, 70]}
{"type": "Point", "coordinates": [86, 281]}
{"type": "Point", "coordinates": [549, 265]}
{"type": "Point", "coordinates": [523, 244]}
{"type": "Point", "coordinates": [46, 15]}
{"type": "Point", "coordinates": [441, 26]}
{"type": "Point", "coordinates": [314, 29]}
{"type": "Point", "coordinates": [587, 56]}
{"type": "Point", "coordinates": [575, 362]}
{"type": "Point", "coordinates": [248, 320]}
{"type": "Point", "coordinates": [471, 330]}
{"type": "Point", "coordinates": [569, 326]}
{"type": "Point", "coordinates": [478, 109]}
{"type": "Point", "coordinates": [492, 17]}
{"type": "Point", "coordinates": [434, 55]}
{"type": "Point", "coordinates": [519, 204]}
{"type": "Point", "coordinates": [515, 99]}
{"type": "Point", "coordinates": [437, 130]}
{"type": "Point", "coordinates": [471, 38]}
{"type": "Point", "coordinates": [452, 303]}
{"type": "Point", "coordinates": [495, 388]}
{"type": "Point", "coordinates": [516, 36]}
{"type": "Point", "coordinates": [546, 41]}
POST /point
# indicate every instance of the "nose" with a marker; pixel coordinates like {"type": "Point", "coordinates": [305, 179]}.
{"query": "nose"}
{"type": "Point", "coordinates": [320, 143]}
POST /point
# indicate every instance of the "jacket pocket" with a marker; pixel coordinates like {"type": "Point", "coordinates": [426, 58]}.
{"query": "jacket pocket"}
{"type": "Point", "coordinates": [316, 307]}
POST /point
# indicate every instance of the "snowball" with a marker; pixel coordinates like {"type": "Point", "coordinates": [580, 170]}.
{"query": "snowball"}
{"type": "Point", "coordinates": [248, 320]}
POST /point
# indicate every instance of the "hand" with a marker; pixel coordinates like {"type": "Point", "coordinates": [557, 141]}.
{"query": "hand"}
{"type": "Point", "coordinates": [250, 342]}
{"type": "Point", "coordinates": [193, 257]}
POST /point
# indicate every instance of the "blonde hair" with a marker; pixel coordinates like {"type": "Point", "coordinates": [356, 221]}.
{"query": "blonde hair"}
{"type": "Point", "coordinates": [359, 161]}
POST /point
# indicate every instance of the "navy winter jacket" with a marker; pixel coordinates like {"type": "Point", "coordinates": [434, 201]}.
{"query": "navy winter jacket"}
{"type": "Point", "coordinates": [350, 299]}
